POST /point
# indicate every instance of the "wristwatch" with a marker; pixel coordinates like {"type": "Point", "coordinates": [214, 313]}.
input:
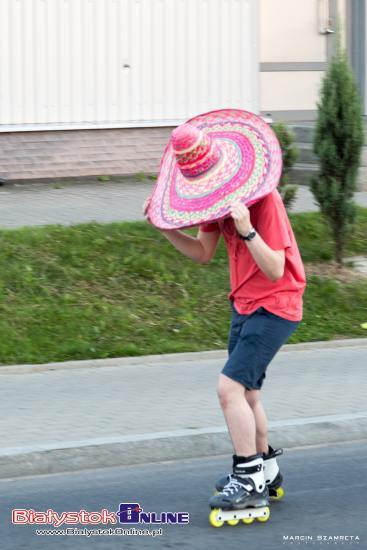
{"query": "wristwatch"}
{"type": "Point", "coordinates": [249, 236]}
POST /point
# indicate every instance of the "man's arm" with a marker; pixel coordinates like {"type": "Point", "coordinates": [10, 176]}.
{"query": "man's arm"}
{"type": "Point", "coordinates": [200, 249]}
{"type": "Point", "coordinates": [271, 262]}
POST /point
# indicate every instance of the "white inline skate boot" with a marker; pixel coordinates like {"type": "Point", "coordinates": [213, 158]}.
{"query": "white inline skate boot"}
{"type": "Point", "coordinates": [273, 477]}
{"type": "Point", "coordinates": [245, 495]}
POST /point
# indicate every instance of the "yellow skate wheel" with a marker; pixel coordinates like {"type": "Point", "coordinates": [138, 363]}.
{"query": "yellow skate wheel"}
{"type": "Point", "coordinates": [248, 521]}
{"type": "Point", "coordinates": [233, 521]}
{"type": "Point", "coordinates": [265, 517]}
{"type": "Point", "coordinates": [213, 518]}
{"type": "Point", "coordinates": [279, 495]}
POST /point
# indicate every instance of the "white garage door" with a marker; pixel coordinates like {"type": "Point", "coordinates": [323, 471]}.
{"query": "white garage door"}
{"type": "Point", "coordinates": [77, 63]}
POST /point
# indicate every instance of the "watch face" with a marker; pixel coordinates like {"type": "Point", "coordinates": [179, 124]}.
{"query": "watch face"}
{"type": "Point", "coordinates": [250, 235]}
{"type": "Point", "coordinates": [247, 237]}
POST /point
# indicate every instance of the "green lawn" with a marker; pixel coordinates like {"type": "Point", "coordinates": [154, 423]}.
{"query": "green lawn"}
{"type": "Point", "coordinates": [95, 291]}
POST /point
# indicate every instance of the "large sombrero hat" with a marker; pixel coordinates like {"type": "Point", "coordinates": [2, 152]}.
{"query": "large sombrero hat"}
{"type": "Point", "coordinates": [210, 161]}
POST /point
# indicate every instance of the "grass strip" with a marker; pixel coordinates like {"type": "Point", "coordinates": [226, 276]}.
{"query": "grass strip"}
{"type": "Point", "coordinates": [119, 289]}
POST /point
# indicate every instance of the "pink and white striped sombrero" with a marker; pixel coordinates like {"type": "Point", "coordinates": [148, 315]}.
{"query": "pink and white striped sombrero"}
{"type": "Point", "coordinates": [210, 161]}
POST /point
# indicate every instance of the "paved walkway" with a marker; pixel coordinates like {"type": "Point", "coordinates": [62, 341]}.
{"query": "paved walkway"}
{"type": "Point", "coordinates": [42, 204]}
{"type": "Point", "coordinates": [43, 408]}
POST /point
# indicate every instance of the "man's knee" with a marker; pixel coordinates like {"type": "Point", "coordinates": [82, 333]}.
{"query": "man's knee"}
{"type": "Point", "coordinates": [252, 397]}
{"type": "Point", "coordinates": [228, 390]}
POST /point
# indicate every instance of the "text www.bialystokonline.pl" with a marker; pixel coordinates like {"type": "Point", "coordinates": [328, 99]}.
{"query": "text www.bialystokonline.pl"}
{"type": "Point", "coordinates": [84, 532]}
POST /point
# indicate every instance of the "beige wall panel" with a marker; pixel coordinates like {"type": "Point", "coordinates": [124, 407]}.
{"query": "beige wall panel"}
{"type": "Point", "coordinates": [284, 91]}
{"type": "Point", "coordinates": [289, 31]}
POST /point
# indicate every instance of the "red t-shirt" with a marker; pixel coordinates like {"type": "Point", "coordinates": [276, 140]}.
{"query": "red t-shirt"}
{"type": "Point", "coordinates": [250, 288]}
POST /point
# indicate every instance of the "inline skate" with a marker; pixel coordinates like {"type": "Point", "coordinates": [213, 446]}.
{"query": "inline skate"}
{"type": "Point", "coordinates": [244, 496]}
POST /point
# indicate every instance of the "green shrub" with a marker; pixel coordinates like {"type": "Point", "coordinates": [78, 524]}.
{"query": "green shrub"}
{"type": "Point", "coordinates": [338, 142]}
{"type": "Point", "coordinates": [290, 155]}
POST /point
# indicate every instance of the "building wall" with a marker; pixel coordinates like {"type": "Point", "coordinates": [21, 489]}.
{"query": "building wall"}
{"type": "Point", "coordinates": [357, 45]}
{"type": "Point", "coordinates": [91, 76]}
{"type": "Point", "coordinates": [111, 75]}
{"type": "Point", "coordinates": [73, 153]}
{"type": "Point", "coordinates": [364, 88]}
{"type": "Point", "coordinates": [294, 53]}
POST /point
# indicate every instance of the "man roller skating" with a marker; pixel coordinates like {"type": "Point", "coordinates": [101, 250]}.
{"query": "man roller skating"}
{"type": "Point", "coordinates": [219, 172]}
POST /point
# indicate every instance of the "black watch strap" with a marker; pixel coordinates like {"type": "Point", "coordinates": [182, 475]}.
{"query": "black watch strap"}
{"type": "Point", "coordinates": [250, 235]}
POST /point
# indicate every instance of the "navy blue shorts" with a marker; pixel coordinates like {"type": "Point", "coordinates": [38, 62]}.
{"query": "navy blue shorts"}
{"type": "Point", "coordinates": [253, 341]}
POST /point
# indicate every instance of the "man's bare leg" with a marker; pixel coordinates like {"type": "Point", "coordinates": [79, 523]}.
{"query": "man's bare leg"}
{"type": "Point", "coordinates": [239, 416]}
{"type": "Point", "coordinates": [253, 399]}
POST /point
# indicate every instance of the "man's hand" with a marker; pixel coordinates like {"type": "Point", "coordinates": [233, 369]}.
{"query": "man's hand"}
{"type": "Point", "coordinates": [241, 216]}
{"type": "Point", "coordinates": [146, 215]}
{"type": "Point", "coordinates": [145, 209]}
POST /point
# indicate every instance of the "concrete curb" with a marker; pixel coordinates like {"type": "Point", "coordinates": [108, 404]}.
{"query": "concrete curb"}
{"type": "Point", "coordinates": [138, 449]}
{"type": "Point", "coordinates": [171, 358]}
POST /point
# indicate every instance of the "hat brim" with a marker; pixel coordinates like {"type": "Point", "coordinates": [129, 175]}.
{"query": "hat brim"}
{"type": "Point", "coordinates": [249, 168]}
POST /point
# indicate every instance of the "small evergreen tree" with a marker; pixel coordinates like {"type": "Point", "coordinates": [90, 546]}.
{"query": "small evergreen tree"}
{"type": "Point", "coordinates": [338, 142]}
{"type": "Point", "coordinates": [290, 154]}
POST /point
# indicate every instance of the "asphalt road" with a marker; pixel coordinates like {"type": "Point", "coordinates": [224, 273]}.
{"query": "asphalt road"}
{"type": "Point", "coordinates": [325, 496]}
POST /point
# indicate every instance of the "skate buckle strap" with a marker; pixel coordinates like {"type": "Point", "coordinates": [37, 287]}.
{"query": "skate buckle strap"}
{"type": "Point", "coordinates": [243, 470]}
{"type": "Point", "coordinates": [273, 453]}
{"type": "Point", "coordinates": [278, 452]}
